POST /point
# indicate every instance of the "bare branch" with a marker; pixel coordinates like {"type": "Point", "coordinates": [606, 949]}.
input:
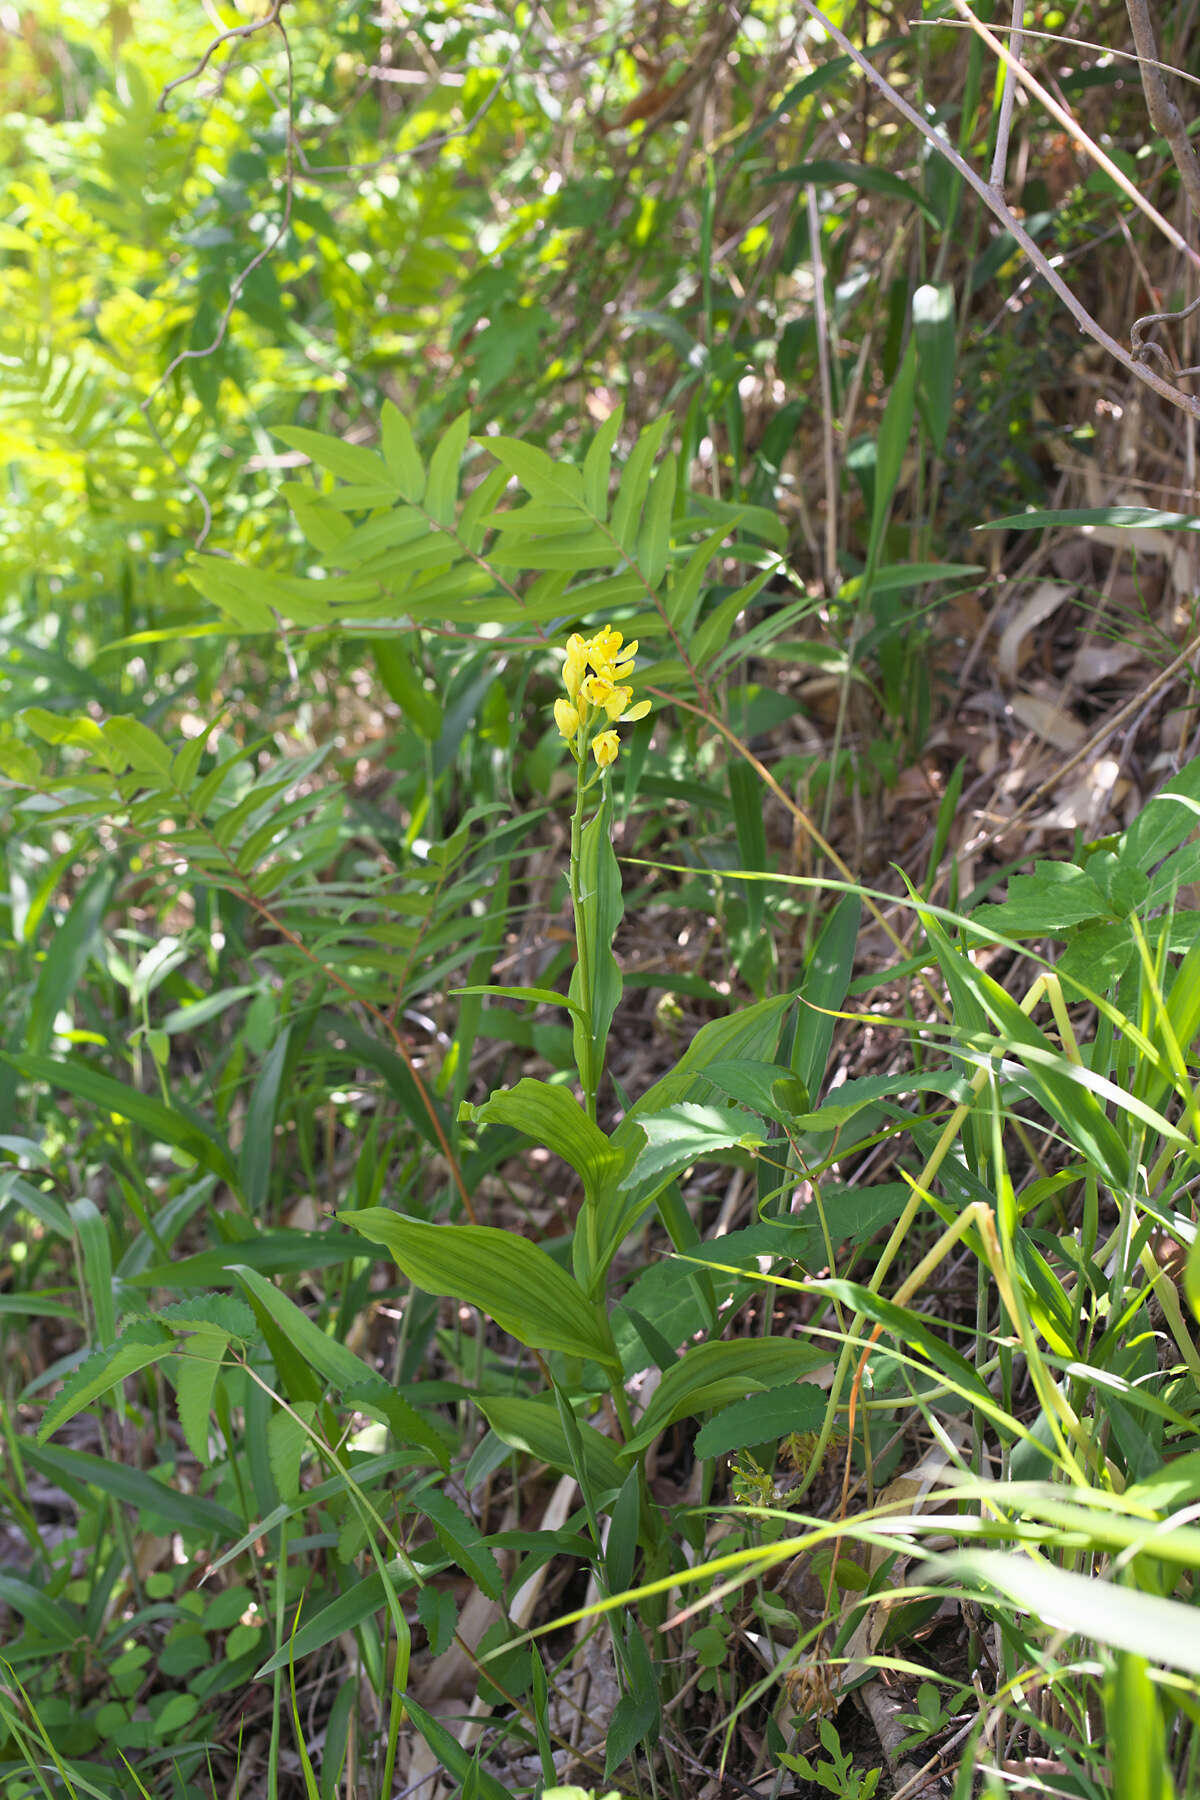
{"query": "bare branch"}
{"type": "Point", "coordinates": [1007, 101]}
{"type": "Point", "coordinates": [223, 37]}
{"type": "Point", "coordinates": [1075, 130]}
{"type": "Point", "coordinates": [995, 204]}
{"type": "Point", "coordinates": [1165, 116]}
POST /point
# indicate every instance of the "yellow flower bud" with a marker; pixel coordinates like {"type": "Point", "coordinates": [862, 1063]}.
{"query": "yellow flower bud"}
{"type": "Point", "coordinates": [605, 746]}
{"type": "Point", "coordinates": [575, 664]}
{"type": "Point", "coordinates": [566, 718]}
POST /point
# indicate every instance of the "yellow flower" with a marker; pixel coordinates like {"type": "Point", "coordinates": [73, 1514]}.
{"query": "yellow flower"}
{"type": "Point", "coordinates": [605, 746]}
{"type": "Point", "coordinates": [566, 717]}
{"type": "Point", "coordinates": [575, 664]}
{"type": "Point", "coordinates": [604, 647]}
{"type": "Point", "coordinates": [595, 674]}
{"type": "Point", "coordinates": [602, 692]}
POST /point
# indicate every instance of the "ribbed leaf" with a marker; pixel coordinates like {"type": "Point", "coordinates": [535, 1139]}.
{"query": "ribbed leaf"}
{"type": "Point", "coordinates": [508, 1278]}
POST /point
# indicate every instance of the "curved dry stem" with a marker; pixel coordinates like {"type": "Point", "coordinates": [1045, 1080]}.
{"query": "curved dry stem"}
{"type": "Point", "coordinates": [995, 204]}
{"type": "Point", "coordinates": [1165, 116]}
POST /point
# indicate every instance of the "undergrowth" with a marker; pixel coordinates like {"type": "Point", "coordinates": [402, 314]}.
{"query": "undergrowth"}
{"type": "Point", "coordinates": [598, 1101]}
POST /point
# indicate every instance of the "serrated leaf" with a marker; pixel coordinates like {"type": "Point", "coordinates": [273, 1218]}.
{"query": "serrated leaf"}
{"type": "Point", "coordinates": [407, 1425]}
{"type": "Point", "coordinates": [439, 1615]}
{"type": "Point", "coordinates": [462, 1540]}
{"type": "Point", "coordinates": [763, 1418]}
{"type": "Point", "coordinates": [196, 1372]}
{"type": "Point", "coordinates": [1047, 903]}
{"type": "Point", "coordinates": [687, 1133]}
{"type": "Point", "coordinates": [135, 1349]}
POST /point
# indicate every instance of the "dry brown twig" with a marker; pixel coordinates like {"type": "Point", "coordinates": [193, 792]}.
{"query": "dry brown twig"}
{"type": "Point", "coordinates": [997, 205]}
{"type": "Point", "coordinates": [1165, 116]}
{"type": "Point", "coordinates": [223, 37]}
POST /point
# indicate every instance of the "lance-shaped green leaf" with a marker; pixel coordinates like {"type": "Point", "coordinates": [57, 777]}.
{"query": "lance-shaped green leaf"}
{"type": "Point", "coordinates": [600, 914]}
{"type": "Point", "coordinates": [533, 1425]}
{"type": "Point", "coordinates": [554, 1118]}
{"type": "Point", "coordinates": [515, 1283]}
{"type": "Point", "coordinates": [715, 1374]}
{"type": "Point", "coordinates": [167, 1124]}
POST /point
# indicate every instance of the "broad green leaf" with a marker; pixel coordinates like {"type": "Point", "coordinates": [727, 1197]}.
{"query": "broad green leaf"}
{"type": "Point", "coordinates": [688, 1133]}
{"type": "Point", "coordinates": [750, 1035]}
{"type": "Point", "coordinates": [866, 177]}
{"type": "Point", "coordinates": [717, 1373]}
{"type": "Point", "coordinates": [763, 1419]}
{"type": "Point", "coordinates": [140, 747]}
{"type": "Point", "coordinates": [539, 474]}
{"type": "Point", "coordinates": [533, 1425]}
{"type": "Point", "coordinates": [509, 1279]}
{"type": "Point", "coordinates": [552, 1116]}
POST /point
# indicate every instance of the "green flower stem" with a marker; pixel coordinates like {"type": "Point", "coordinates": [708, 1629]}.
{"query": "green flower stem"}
{"type": "Point", "coordinates": [587, 1070]}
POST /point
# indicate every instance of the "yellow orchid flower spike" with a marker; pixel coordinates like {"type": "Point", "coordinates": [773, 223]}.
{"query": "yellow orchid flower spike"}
{"type": "Point", "coordinates": [595, 674]}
